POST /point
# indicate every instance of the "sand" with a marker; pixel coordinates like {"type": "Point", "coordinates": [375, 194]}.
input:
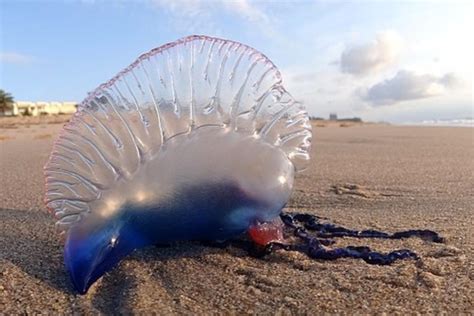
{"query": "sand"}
{"type": "Point", "coordinates": [361, 176]}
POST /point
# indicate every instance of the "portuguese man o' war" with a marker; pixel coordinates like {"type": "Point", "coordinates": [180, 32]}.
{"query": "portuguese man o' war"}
{"type": "Point", "coordinates": [195, 140]}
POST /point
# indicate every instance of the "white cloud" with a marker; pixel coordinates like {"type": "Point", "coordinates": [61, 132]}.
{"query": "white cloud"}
{"type": "Point", "coordinates": [451, 80]}
{"type": "Point", "coordinates": [201, 8]}
{"type": "Point", "coordinates": [201, 16]}
{"type": "Point", "coordinates": [247, 10]}
{"type": "Point", "coordinates": [186, 8]}
{"type": "Point", "coordinates": [407, 85]}
{"type": "Point", "coordinates": [372, 57]}
{"type": "Point", "coordinates": [15, 58]}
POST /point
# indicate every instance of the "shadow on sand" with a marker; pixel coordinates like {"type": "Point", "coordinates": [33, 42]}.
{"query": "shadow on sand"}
{"type": "Point", "coordinates": [116, 290]}
{"type": "Point", "coordinates": [28, 240]}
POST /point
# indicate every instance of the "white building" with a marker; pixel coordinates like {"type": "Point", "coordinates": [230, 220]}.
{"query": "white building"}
{"type": "Point", "coordinates": [43, 108]}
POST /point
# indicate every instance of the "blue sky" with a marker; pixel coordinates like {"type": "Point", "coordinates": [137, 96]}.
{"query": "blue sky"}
{"type": "Point", "coordinates": [381, 60]}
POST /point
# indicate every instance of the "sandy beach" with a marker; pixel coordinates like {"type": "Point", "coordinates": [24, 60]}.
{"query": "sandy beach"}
{"type": "Point", "coordinates": [372, 176]}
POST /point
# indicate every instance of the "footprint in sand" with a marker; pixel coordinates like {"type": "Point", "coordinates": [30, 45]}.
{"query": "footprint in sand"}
{"type": "Point", "coordinates": [353, 190]}
{"type": "Point", "coordinates": [356, 190]}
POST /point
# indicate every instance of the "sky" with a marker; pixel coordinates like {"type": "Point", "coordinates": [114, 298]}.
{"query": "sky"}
{"type": "Point", "coordinates": [394, 61]}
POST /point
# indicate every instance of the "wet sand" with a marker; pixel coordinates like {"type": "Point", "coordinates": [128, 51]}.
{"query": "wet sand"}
{"type": "Point", "coordinates": [361, 176]}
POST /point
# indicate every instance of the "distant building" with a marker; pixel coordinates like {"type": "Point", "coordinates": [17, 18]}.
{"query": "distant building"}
{"type": "Point", "coordinates": [351, 119]}
{"type": "Point", "coordinates": [333, 117]}
{"type": "Point", "coordinates": [43, 108]}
